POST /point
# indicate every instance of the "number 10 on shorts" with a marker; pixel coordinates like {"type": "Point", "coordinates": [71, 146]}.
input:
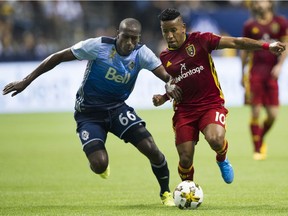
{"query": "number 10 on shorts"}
{"type": "Point", "coordinates": [220, 117]}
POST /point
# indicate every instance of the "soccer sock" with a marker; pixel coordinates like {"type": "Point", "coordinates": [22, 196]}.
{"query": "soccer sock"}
{"type": "Point", "coordinates": [186, 174]}
{"type": "Point", "coordinates": [221, 155]}
{"type": "Point", "coordinates": [266, 127]}
{"type": "Point", "coordinates": [161, 172]}
{"type": "Point", "coordinates": [256, 132]}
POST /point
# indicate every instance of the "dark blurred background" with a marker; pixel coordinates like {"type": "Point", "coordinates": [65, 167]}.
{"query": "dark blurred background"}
{"type": "Point", "coordinates": [31, 30]}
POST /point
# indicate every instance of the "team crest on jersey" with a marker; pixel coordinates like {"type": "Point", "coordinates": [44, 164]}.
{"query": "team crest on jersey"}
{"type": "Point", "coordinates": [85, 135]}
{"type": "Point", "coordinates": [112, 53]}
{"type": "Point", "coordinates": [131, 65]}
{"type": "Point", "coordinates": [190, 50]}
{"type": "Point", "coordinates": [168, 64]}
{"type": "Point", "coordinates": [275, 28]}
{"type": "Point", "coordinates": [255, 30]}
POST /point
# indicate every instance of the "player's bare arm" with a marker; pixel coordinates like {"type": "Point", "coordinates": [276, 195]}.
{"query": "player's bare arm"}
{"type": "Point", "coordinates": [47, 64]}
{"type": "Point", "coordinates": [244, 60]}
{"type": "Point", "coordinates": [250, 44]}
{"type": "Point", "coordinates": [276, 70]}
{"type": "Point", "coordinates": [172, 90]}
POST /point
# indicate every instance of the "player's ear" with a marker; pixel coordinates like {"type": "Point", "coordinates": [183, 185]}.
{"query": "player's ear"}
{"type": "Point", "coordinates": [184, 28]}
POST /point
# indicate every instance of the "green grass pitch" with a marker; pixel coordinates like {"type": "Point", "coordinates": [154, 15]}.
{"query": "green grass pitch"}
{"type": "Point", "coordinates": [43, 170]}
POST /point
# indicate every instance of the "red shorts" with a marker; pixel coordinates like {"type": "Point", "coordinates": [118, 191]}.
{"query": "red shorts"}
{"type": "Point", "coordinates": [264, 92]}
{"type": "Point", "coordinates": [187, 125]}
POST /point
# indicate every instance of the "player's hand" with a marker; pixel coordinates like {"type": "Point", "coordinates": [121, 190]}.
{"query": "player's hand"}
{"type": "Point", "coordinates": [158, 100]}
{"type": "Point", "coordinates": [277, 48]}
{"type": "Point", "coordinates": [173, 91]}
{"type": "Point", "coordinates": [15, 87]}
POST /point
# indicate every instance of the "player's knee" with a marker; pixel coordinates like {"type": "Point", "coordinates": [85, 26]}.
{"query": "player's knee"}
{"type": "Point", "coordinates": [216, 141]}
{"type": "Point", "coordinates": [148, 147]}
{"type": "Point", "coordinates": [141, 138]}
{"type": "Point", "coordinates": [97, 156]}
{"type": "Point", "coordinates": [98, 165]}
{"type": "Point", "coordinates": [93, 146]}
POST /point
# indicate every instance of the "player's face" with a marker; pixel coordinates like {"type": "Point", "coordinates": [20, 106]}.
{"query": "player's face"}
{"type": "Point", "coordinates": [127, 40]}
{"type": "Point", "coordinates": [173, 32]}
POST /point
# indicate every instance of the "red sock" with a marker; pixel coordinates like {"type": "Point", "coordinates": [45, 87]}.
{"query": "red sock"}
{"type": "Point", "coordinates": [256, 132]}
{"type": "Point", "coordinates": [221, 155]}
{"type": "Point", "coordinates": [186, 174]}
{"type": "Point", "coordinates": [266, 127]}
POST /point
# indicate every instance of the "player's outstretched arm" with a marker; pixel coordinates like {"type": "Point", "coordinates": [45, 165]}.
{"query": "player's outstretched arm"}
{"type": "Point", "coordinates": [46, 65]}
{"type": "Point", "coordinates": [276, 70]}
{"type": "Point", "coordinates": [250, 44]}
{"type": "Point", "coordinates": [244, 60]}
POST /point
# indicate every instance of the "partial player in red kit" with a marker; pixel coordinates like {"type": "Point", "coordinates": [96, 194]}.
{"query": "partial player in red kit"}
{"type": "Point", "coordinates": [202, 108]}
{"type": "Point", "coordinates": [261, 71]}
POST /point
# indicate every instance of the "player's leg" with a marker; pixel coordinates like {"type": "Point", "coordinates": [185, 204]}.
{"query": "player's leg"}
{"type": "Point", "coordinates": [127, 125]}
{"type": "Point", "coordinates": [212, 125]}
{"type": "Point", "coordinates": [186, 137]}
{"type": "Point", "coordinates": [272, 113]}
{"type": "Point", "coordinates": [140, 137]}
{"type": "Point", "coordinates": [186, 154]}
{"type": "Point", "coordinates": [98, 158]}
{"type": "Point", "coordinates": [215, 136]}
{"type": "Point", "coordinates": [271, 102]}
{"type": "Point", "coordinates": [93, 136]}
{"type": "Point", "coordinates": [255, 127]}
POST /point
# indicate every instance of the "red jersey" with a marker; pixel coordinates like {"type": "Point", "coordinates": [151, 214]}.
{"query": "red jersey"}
{"type": "Point", "coordinates": [262, 61]}
{"type": "Point", "coordinates": [193, 69]}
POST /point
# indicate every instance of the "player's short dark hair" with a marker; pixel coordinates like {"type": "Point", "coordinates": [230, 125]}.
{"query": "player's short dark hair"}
{"type": "Point", "coordinates": [169, 14]}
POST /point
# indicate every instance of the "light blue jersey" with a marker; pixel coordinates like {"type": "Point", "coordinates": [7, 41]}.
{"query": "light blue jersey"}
{"type": "Point", "coordinates": [109, 77]}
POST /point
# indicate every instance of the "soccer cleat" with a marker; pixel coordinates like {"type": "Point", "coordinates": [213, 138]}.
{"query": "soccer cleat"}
{"type": "Point", "coordinates": [262, 154]}
{"type": "Point", "coordinates": [226, 170]}
{"type": "Point", "coordinates": [106, 173]}
{"type": "Point", "coordinates": [263, 150]}
{"type": "Point", "coordinates": [167, 199]}
{"type": "Point", "coordinates": [259, 156]}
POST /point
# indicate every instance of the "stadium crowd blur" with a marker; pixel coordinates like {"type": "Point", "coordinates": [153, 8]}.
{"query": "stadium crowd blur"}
{"type": "Point", "coordinates": [31, 30]}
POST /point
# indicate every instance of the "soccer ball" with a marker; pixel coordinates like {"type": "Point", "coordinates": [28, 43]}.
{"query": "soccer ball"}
{"type": "Point", "coordinates": [188, 195]}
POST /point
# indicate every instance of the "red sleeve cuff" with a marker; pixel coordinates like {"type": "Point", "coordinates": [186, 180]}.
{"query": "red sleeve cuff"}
{"type": "Point", "coordinates": [265, 46]}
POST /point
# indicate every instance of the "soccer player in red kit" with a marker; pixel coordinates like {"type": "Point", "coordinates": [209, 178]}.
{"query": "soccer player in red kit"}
{"type": "Point", "coordinates": [202, 108]}
{"type": "Point", "coordinates": [263, 69]}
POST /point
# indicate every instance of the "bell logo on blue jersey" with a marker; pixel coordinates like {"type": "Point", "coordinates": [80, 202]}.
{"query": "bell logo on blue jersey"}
{"type": "Point", "coordinates": [112, 75]}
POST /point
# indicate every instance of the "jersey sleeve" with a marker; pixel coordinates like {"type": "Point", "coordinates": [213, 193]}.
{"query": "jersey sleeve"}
{"type": "Point", "coordinates": [148, 60]}
{"type": "Point", "coordinates": [209, 41]}
{"type": "Point", "coordinates": [86, 50]}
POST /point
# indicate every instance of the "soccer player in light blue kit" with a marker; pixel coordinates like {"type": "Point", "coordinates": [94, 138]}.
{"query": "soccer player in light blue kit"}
{"type": "Point", "coordinates": [111, 72]}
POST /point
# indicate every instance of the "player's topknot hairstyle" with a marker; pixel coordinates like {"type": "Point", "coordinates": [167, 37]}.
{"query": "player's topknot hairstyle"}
{"type": "Point", "coordinates": [168, 14]}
